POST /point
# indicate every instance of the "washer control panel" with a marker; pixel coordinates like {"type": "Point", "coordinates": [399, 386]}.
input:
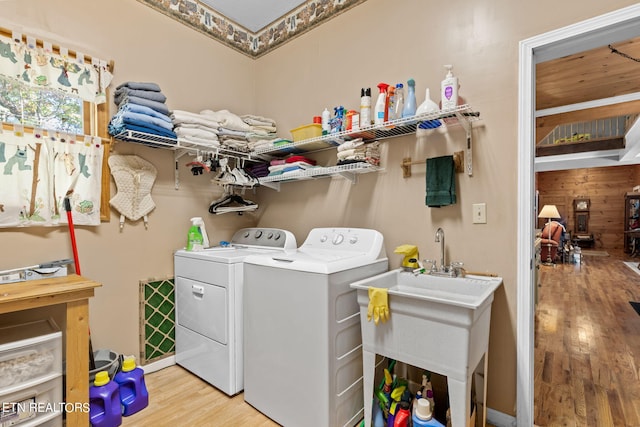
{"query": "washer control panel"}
{"type": "Point", "coordinates": [264, 237]}
{"type": "Point", "coordinates": [344, 239]}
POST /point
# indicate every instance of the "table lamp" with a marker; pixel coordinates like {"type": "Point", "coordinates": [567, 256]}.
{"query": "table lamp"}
{"type": "Point", "coordinates": [550, 212]}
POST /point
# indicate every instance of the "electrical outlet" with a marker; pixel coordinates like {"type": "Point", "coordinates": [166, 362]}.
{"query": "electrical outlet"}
{"type": "Point", "coordinates": [479, 213]}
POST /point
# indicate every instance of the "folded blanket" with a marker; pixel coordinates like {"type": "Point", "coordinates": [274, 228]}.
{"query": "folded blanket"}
{"type": "Point", "coordinates": [253, 120]}
{"type": "Point", "coordinates": [348, 145]}
{"type": "Point", "coordinates": [140, 85]}
{"type": "Point", "coordinates": [200, 141]}
{"type": "Point", "coordinates": [195, 132]}
{"type": "Point", "coordinates": [136, 108]}
{"type": "Point", "coordinates": [124, 115]}
{"type": "Point", "coordinates": [179, 116]}
{"type": "Point", "coordinates": [155, 105]}
{"type": "Point", "coordinates": [139, 126]}
{"type": "Point", "coordinates": [441, 183]}
{"type": "Point", "coordinates": [227, 120]}
{"type": "Point", "coordinates": [146, 94]}
{"type": "Point", "coordinates": [222, 131]}
{"type": "Point", "coordinates": [293, 159]}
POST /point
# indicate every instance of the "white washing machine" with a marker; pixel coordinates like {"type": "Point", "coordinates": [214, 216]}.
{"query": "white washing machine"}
{"type": "Point", "coordinates": [303, 346]}
{"type": "Point", "coordinates": [208, 292]}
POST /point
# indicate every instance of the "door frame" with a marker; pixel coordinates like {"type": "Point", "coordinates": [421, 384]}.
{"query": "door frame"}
{"type": "Point", "coordinates": [612, 27]}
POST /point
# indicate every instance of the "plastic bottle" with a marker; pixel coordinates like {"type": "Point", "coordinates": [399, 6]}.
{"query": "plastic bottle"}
{"type": "Point", "coordinates": [403, 415]}
{"type": "Point", "coordinates": [326, 115]}
{"type": "Point", "coordinates": [365, 107]}
{"type": "Point", "coordinates": [399, 102]}
{"type": "Point", "coordinates": [377, 417]}
{"type": "Point", "coordinates": [133, 391]}
{"type": "Point", "coordinates": [427, 389]}
{"type": "Point", "coordinates": [423, 415]}
{"type": "Point", "coordinates": [391, 104]}
{"type": "Point", "coordinates": [449, 94]}
{"type": "Point", "coordinates": [104, 402]}
{"type": "Point", "coordinates": [410, 101]}
{"type": "Point", "coordinates": [380, 111]}
{"type": "Point", "coordinates": [196, 237]}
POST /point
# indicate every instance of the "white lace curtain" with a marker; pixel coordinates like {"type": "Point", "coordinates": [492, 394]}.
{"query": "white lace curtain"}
{"type": "Point", "coordinates": [42, 67]}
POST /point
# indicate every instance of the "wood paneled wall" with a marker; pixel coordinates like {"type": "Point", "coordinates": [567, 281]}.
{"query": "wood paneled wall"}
{"type": "Point", "coordinates": [605, 187]}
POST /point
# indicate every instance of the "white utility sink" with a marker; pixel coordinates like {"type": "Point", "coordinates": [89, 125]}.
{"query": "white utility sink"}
{"type": "Point", "coordinates": [436, 323]}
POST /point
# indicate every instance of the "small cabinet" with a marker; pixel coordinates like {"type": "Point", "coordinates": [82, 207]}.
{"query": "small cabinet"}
{"type": "Point", "coordinates": [631, 220]}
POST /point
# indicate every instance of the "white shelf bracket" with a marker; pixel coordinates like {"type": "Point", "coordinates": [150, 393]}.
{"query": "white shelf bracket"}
{"type": "Point", "coordinates": [350, 176]}
{"type": "Point", "coordinates": [466, 124]}
{"type": "Point", "coordinates": [271, 185]}
{"type": "Point", "coordinates": [176, 173]}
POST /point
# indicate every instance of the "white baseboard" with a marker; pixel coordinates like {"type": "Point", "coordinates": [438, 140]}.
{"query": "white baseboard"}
{"type": "Point", "coordinates": [500, 419]}
{"type": "Point", "coordinates": [160, 364]}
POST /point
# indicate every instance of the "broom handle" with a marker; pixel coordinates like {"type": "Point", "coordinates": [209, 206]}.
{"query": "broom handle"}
{"type": "Point", "coordinates": [72, 234]}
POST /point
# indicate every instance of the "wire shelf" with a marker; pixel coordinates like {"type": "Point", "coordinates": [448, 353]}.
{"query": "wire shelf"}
{"type": "Point", "coordinates": [393, 128]}
{"type": "Point", "coordinates": [322, 172]}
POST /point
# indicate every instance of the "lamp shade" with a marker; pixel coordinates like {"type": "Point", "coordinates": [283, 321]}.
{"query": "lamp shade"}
{"type": "Point", "coordinates": [549, 211]}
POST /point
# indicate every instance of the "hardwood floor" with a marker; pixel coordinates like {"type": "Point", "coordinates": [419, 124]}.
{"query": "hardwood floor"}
{"type": "Point", "coordinates": [179, 398]}
{"type": "Point", "coordinates": [587, 346]}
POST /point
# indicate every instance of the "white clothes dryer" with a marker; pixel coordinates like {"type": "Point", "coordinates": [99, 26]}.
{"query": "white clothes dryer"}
{"type": "Point", "coordinates": [208, 293]}
{"type": "Point", "coordinates": [303, 345]}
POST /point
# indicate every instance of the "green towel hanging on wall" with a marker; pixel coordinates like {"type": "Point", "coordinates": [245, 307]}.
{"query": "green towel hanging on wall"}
{"type": "Point", "coordinates": [441, 182]}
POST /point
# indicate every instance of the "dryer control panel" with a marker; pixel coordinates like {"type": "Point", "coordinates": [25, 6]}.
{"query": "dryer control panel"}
{"type": "Point", "coordinates": [264, 237]}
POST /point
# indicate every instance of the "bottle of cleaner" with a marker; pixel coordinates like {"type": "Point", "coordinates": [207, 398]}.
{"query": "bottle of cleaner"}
{"type": "Point", "coordinates": [399, 101]}
{"type": "Point", "coordinates": [410, 102]}
{"type": "Point", "coordinates": [380, 110]}
{"type": "Point", "coordinates": [326, 116]}
{"type": "Point", "coordinates": [391, 109]}
{"type": "Point", "coordinates": [197, 238]}
{"type": "Point", "coordinates": [104, 402]}
{"type": "Point", "coordinates": [423, 415]}
{"type": "Point", "coordinates": [427, 389]}
{"type": "Point", "coordinates": [449, 96]}
{"type": "Point", "coordinates": [133, 391]}
{"type": "Point", "coordinates": [365, 107]}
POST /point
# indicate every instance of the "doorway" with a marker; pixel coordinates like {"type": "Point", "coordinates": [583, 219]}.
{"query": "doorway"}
{"type": "Point", "coordinates": [616, 26]}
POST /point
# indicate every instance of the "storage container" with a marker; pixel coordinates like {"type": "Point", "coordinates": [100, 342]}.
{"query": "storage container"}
{"type": "Point", "coordinates": [32, 404]}
{"type": "Point", "coordinates": [313, 130]}
{"type": "Point", "coordinates": [29, 351]}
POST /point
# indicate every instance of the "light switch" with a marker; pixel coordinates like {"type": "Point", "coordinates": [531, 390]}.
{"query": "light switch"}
{"type": "Point", "coordinates": [479, 213]}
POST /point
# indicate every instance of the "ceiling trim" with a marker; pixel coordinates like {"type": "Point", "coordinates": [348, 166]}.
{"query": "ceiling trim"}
{"type": "Point", "coordinates": [204, 19]}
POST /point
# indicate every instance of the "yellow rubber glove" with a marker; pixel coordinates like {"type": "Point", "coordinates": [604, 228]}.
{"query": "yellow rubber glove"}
{"type": "Point", "coordinates": [378, 305]}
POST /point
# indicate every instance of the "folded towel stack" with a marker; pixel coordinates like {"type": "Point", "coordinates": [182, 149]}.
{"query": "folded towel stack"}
{"type": "Point", "coordinates": [357, 151]}
{"type": "Point", "coordinates": [259, 170]}
{"type": "Point", "coordinates": [141, 108]}
{"type": "Point", "coordinates": [290, 165]}
{"type": "Point", "coordinates": [196, 128]}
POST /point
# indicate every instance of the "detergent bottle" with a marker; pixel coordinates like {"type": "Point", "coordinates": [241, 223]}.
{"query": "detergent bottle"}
{"type": "Point", "coordinates": [133, 391]}
{"type": "Point", "coordinates": [104, 402]}
{"type": "Point", "coordinates": [423, 415]}
{"type": "Point", "coordinates": [197, 238]}
{"type": "Point", "coordinates": [449, 90]}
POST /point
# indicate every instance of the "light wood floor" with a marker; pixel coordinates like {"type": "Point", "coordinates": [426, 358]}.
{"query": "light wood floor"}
{"type": "Point", "coordinates": [587, 346]}
{"type": "Point", "coordinates": [179, 398]}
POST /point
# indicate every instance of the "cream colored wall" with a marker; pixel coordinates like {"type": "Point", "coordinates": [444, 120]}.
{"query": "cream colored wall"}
{"type": "Point", "coordinates": [376, 41]}
{"type": "Point", "coordinates": [195, 72]}
{"type": "Point", "coordinates": [381, 41]}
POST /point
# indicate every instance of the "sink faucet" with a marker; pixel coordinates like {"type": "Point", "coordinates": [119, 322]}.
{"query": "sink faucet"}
{"type": "Point", "coordinates": [440, 238]}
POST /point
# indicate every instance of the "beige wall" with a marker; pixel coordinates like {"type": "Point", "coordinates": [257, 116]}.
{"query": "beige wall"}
{"type": "Point", "coordinates": [376, 41]}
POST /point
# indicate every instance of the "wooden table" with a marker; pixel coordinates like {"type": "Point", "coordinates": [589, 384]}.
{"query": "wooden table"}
{"type": "Point", "coordinates": [74, 292]}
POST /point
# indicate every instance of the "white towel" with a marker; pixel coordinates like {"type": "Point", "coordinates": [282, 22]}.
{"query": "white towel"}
{"type": "Point", "coordinates": [227, 120]}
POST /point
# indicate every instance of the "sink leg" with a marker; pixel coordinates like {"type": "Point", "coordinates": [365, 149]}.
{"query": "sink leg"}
{"type": "Point", "coordinates": [459, 400]}
{"type": "Point", "coordinates": [368, 369]}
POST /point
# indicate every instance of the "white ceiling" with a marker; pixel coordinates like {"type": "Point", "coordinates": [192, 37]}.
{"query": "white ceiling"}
{"type": "Point", "coordinates": [253, 14]}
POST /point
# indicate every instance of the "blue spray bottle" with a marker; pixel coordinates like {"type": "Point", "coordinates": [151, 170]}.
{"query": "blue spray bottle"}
{"type": "Point", "coordinates": [410, 101]}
